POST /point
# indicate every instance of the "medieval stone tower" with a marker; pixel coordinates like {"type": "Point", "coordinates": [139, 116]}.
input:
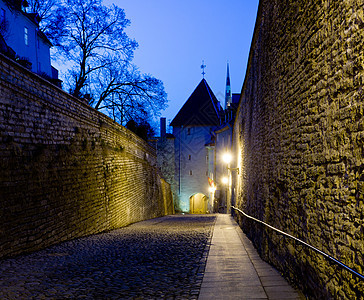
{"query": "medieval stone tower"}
{"type": "Point", "coordinates": [193, 128]}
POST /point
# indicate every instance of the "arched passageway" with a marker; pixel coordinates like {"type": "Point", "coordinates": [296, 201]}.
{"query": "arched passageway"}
{"type": "Point", "coordinates": [198, 203]}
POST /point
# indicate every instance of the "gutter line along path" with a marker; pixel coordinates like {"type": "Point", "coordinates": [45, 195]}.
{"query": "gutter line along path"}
{"type": "Point", "coordinates": [234, 269]}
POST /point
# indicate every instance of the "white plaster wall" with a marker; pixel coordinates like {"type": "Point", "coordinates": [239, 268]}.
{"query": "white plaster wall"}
{"type": "Point", "coordinates": [191, 163]}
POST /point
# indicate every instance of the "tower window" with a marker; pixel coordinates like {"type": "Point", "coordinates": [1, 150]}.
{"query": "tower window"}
{"type": "Point", "coordinates": [189, 157]}
{"type": "Point", "coordinates": [188, 131]}
{"type": "Point", "coordinates": [190, 172]}
{"type": "Point", "coordinates": [26, 36]}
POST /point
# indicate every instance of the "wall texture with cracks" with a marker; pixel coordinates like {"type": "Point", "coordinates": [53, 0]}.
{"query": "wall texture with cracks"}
{"type": "Point", "coordinates": [299, 139]}
{"type": "Point", "coordinates": [67, 170]}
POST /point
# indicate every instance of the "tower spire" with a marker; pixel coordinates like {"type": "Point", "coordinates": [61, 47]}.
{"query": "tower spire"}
{"type": "Point", "coordinates": [203, 66]}
{"type": "Point", "coordinates": [228, 98]}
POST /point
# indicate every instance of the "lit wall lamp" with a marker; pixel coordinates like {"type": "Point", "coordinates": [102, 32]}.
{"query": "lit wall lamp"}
{"type": "Point", "coordinates": [225, 180]}
{"type": "Point", "coordinates": [227, 158]}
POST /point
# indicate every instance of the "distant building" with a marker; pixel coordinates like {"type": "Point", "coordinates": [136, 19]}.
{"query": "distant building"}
{"type": "Point", "coordinates": [193, 128]}
{"type": "Point", "coordinates": [223, 138]}
{"type": "Point", "coordinates": [24, 40]}
{"type": "Point", "coordinates": [190, 159]}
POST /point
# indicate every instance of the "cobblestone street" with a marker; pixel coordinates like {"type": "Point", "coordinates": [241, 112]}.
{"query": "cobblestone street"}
{"type": "Point", "coordinates": [154, 259]}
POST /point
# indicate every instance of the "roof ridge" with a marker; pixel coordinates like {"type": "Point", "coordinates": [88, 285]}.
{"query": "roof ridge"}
{"type": "Point", "coordinates": [213, 102]}
{"type": "Point", "coordinates": [201, 108]}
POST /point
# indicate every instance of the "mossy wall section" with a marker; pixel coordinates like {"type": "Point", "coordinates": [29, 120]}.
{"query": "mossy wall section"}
{"type": "Point", "coordinates": [299, 139]}
{"type": "Point", "coordinates": [67, 170]}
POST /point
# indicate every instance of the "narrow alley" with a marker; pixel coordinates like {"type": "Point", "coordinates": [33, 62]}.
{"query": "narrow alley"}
{"type": "Point", "coordinates": [163, 258]}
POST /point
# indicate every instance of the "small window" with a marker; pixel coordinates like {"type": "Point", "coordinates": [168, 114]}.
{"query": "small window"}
{"type": "Point", "coordinates": [207, 173]}
{"type": "Point", "coordinates": [26, 36]}
{"type": "Point", "coordinates": [188, 131]}
{"type": "Point", "coordinates": [189, 157]}
{"type": "Point", "coordinates": [190, 172]}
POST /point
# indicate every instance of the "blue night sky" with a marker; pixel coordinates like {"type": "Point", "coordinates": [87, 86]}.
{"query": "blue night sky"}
{"type": "Point", "coordinates": [175, 36]}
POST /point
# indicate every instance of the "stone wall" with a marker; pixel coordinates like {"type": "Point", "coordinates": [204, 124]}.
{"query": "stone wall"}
{"type": "Point", "coordinates": [164, 147]}
{"type": "Point", "coordinates": [299, 139]}
{"type": "Point", "coordinates": [67, 170]}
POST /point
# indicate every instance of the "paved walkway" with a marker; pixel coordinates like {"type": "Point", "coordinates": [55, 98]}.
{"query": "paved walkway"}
{"type": "Point", "coordinates": [234, 269]}
{"type": "Point", "coordinates": [163, 258]}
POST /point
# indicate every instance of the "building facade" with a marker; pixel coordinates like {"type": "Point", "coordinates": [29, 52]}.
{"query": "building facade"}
{"type": "Point", "coordinates": [225, 171]}
{"type": "Point", "coordinates": [20, 31]}
{"type": "Point", "coordinates": [193, 128]}
{"type": "Point", "coordinates": [191, 158]}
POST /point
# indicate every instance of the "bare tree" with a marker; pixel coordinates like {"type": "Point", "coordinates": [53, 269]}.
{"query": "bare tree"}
{"type": "Point", "coordinates": [44, 9]}
{"type": "Point", "coordinates": [92, 38]}
{"type": "Point", "coordinates": [128, 95]}
{"type": "Point", "coordinates": [90, 35]}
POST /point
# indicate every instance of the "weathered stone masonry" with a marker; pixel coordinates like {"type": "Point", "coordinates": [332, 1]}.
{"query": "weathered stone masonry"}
{"type": "Point", "coordinates": [299, 138]}
{"type": "Point", "coordinates": [67, 170]}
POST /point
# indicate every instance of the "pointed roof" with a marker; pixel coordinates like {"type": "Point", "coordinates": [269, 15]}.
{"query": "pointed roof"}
{"type": "Point", "coordinates": [228, 75]}
{"type": "Point", "coordinates": [228, 89]}
{"type": "Point", "coordinates": [201, 108]}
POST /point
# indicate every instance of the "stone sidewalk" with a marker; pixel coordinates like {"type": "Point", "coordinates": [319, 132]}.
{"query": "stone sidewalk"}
{"type": "Point", "coordinates": [234, 269]}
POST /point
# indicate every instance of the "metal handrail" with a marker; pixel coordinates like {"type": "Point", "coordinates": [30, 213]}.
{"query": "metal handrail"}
{"type": "Point", "coordinates": [303, 243]}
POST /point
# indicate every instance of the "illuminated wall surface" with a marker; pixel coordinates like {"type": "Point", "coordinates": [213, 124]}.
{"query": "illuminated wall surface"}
{"type": "Point", "coordinates": [66, 169]}
{"type": "Point", "coordinates": [299, 139]}
{"type": "Point", "coordinates": [191, 162]}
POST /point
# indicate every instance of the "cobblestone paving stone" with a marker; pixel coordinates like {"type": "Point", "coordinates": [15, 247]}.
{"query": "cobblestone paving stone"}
{"type": "Point", "coordinates": [162, 258]}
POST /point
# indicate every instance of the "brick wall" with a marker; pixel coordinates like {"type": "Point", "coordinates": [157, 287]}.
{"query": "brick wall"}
{"type": "Point", "coordinates": [67, 170]}
{"type": "Point", "coordinates": [299, 139]}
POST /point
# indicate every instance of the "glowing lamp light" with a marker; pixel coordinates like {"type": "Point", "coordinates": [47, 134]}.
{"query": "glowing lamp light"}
{"type": "Point", "coordinates": [212, 189]}
{"type": "Point", "coordinates": [227, 158]}
{"type": "Point", "coordinates": [225, 180]}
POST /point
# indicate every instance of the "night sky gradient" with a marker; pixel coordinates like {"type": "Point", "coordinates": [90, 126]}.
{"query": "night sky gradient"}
{"type": "Point", "coordinates": [175, 36]}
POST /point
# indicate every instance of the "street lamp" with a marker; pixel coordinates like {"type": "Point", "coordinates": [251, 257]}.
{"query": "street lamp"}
{"type": "Point", "coordinates": [227, 158]}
